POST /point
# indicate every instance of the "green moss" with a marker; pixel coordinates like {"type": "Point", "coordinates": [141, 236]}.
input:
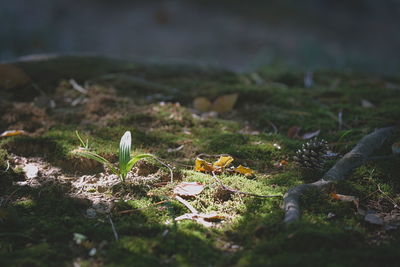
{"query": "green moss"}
{"type": "Point", "coordinates": [37, 225]}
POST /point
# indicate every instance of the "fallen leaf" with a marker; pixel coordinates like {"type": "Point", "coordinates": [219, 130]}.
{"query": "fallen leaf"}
{"type": "Point", "coordinates": [223, 161]}
{"type": "Point", "coordinates": [188, 189]}
{"type": "Point", "coordinates": [293, 132]}
{"type": "Point", "coordinates": [202, 104]}
{"type": "Point", "coordinates": [12, 76]}
{"type": "Point", "coordinates": [31, 171]}
{"type": "Point", "coordinates": [281, 163]}
{"type": "Point", "coordinates": [243, 170]}
{"type": "Point", "coordinates": [201, 165]}
{"type": "Point", "coordinates": [79, 238]}
{"type": "Point", "coordinates": [12, 133]}
{"type": "Point", "coordinates": [373, 218]}
{"type": "Point", "coordinates": [310, 134]}
{"type": "Point", "coordinates": [366, 104]}
{"type": "Point", "coordinates": [170, 150]}
{"type": "Point", "coordinates": [224, 103]}
{"type": "Point", "coordinates": [346, 198]}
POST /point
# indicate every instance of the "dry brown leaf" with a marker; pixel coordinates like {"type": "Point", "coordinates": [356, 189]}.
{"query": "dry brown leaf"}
{"type": "Point", "coordinates": [346, 198]}
{"type": "Point", "coordinates": [188, 189]}
{"type": "Point", "coordinates": [202, 104]}
{"type": "Point", "coordinates": [224, 103]}
{"type": "Point", "coordinates": [201, 165]}
{"type": "Point", "coordinates": [281, 163]}
{"type": "Point", "coordinates": [12, 76]}
{"type": "Point", "coordinates": [12, 133]}
{"type": "Point", "coordinates": [223, 161]}
{"type": "Point", "coordinates": [243, 170]}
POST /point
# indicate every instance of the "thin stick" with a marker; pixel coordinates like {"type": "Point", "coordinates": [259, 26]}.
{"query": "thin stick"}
{"type": "Point", "coordinates": [241, 192]}
{"type": "Point", "coordinates": [388, 197]}
{"type": "Point", "coordinates": [77, 87]}
{"type": "Point", "coordinates": [355, 158]}
{"type": "Point", "coordinates": [187, 204]}
{"type": "Point", "coordinates": [340, 119]}
{"type": "Point", "coordinates": [169, 168]}
{"type": "Point", "coordinates": [113, 228]}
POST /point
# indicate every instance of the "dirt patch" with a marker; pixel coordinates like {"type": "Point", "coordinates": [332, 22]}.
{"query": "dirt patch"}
{"type": "Point", "coordinates": [24, 116]}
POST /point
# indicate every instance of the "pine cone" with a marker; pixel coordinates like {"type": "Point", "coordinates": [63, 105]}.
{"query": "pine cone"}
{"type": "Point", "coordinates": [312, 154]}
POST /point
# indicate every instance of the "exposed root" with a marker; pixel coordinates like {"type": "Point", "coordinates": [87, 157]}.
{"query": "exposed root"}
{"type": "Point", "coordinates": [356, 157]}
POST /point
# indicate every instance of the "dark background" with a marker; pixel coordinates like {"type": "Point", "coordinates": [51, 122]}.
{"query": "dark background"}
{"type": "Point", "coordinates": [361, 35]}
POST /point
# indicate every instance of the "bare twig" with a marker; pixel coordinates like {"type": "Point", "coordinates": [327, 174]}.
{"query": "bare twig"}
{"type": "Point", "coordinates": [356, 157]}
{"type": "Point", "coordinates": [273, 127]}
{"type": "Point", "coordinates": [169, 168]}
{"type": "Point", "coordinates": [395, 205]}
{"type": "Point", "coordinates": [340, 119]}
{"type": "Point", "coordinates": [77, 87]}
{"type": "Point", "coordinates": [241, 192]}
{"type": "Point", "coordinates": [187, 204]}
{"type": "Point", "coordinates": [113, 228]}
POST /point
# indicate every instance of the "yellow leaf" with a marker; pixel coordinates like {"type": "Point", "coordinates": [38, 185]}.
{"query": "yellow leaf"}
{"type": "Point", "coordinates": [201, 165]}
{"type": "Point", "coordinates": [224, 103]}
{"type": "Point", "coordinates": [243, 170]}
{"type": "Point", "coordinates": [346, 198]}
{"type": "Point", "coordinates": [201, 104]}
{"type": "Point", "coordinates": [223, 161]}
{"type": "Point", "coordinates": [12, 76]}
{"type": "Point", "coordinates": [12, 133]}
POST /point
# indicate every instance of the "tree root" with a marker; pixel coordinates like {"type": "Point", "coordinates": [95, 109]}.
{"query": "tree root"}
{"type": "Point", "coordinates": [356, 157]}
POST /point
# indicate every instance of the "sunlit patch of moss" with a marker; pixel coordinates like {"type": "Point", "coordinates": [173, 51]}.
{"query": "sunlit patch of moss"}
{"type": "Point", "coordinates": [25, 203]}
{"type": "Point", "coordinates": [148, 233]}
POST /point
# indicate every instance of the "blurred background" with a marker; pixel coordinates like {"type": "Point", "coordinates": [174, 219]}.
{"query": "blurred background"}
{"type": "Point", "coordinates": [360, 35]}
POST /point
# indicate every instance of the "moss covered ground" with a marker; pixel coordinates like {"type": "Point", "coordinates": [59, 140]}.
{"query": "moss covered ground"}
{"type": "Point", "coordinates": [38, 224]}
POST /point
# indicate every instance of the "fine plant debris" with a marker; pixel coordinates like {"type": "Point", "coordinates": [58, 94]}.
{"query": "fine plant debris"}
{"type": "Point", "coordinates": [109, 162]}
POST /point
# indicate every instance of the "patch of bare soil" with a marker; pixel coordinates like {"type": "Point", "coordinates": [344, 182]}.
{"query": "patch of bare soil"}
{"type": "Point", "coordinates": [24, 116]}
{"type": "Point", "coordinates": [101, 190]}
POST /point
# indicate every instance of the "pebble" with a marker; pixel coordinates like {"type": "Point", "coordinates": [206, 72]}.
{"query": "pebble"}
{"type": "Point", "coordinates": [31, 171]}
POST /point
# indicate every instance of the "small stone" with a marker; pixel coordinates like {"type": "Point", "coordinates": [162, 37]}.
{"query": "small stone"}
{"type": "Point", "coordinates": [31, 171]}
{"type": "Point", "coordinates": [373, 218]}
{"type": "Point", "coordinates": [92, 252]}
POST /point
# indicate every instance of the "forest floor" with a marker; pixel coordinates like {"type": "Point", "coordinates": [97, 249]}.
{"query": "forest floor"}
{"type": "Point", "coordinates": [60, 209]}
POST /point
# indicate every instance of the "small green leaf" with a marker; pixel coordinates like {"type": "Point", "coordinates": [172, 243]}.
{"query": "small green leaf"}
{"type": "Point", "coordinates": [135, 159]}
{"type": "Point", "coordinates": [124, 154]}
{"type": "Point", "coordinates": [83, 144]}
{"type": "Point", "coordinates": [96, 157]}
